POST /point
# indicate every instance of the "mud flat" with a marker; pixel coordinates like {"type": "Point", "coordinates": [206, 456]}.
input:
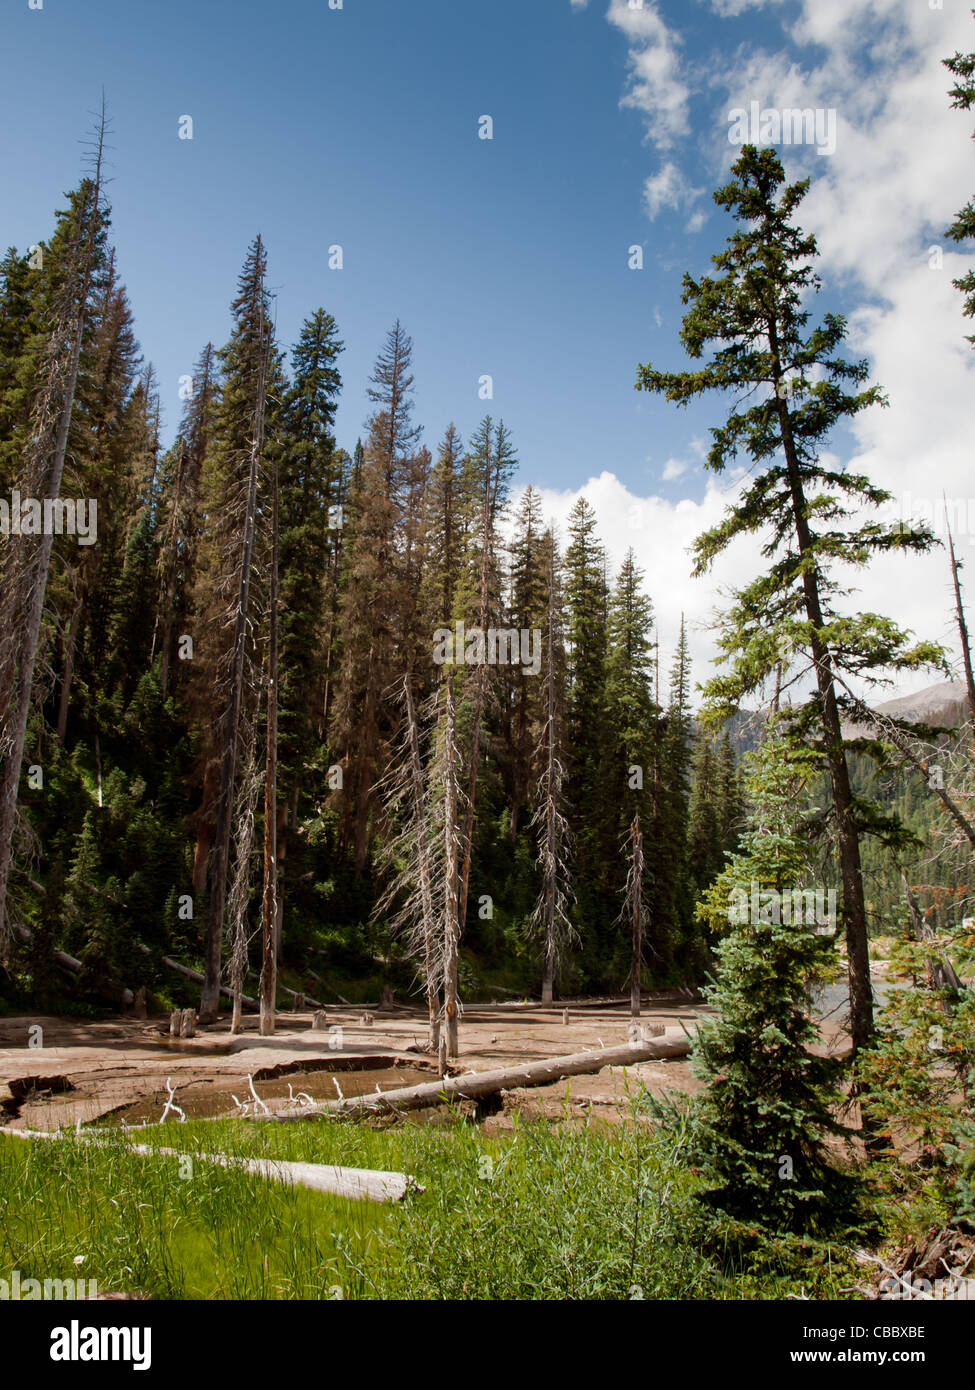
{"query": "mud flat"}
{"type": "Point", "coordinates": [87, 1072]}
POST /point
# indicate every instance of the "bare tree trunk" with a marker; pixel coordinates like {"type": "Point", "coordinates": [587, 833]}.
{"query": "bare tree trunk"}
{"type": "Point", "coordinates": [269, 960]}
{"type": "Point", "coordinates": [636, 912]}
{"type": "Point", "coordinates": [239, 898]}
{"type": "Point", "coordinates": [204, 831]}
{"type": "Point", "coordinates": [423, 866]}
{"type": "Point", "coordinates": [67, 674]}
{"type": "Point", "coordinates": [475, 1085]}
{"type": "Point", "coordinates": [551, 848]}
{"type": "Point", "coordinates": [452, 912]}
{"type": "Point", "coordinates": [169, 596]}
{"type": "Point", "coordinates": [25, 587]}
{"type": "Point", "coordinates": [941, 972]}
{"type": "Point", "coordinates": [966, 650]}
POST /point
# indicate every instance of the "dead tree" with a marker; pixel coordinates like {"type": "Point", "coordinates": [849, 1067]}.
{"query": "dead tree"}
{"type": "Point", "coordinates": [26, 569]}
{"type": "Point", "coordinates": [476, 1085]}
{"type": "Point", "coordinates": [210, 995]}
{"type": "Point", "coordinates": [494, 465]}
{"type": "Point", "coordinates": [449, 762]}
{"type": "Point", "coordinates": [550, 917]}
{"type": "Point", "coordinates": [941, 972]}
{"type": "Point", "coordinates": [635, 910]}
{"type": "Point", "coordinates": [269, 904]}
{"type": "Point", "coordinates": [239, 896]}
{"type": "Point", "coordinates": [412, 891]}
{"type": "Point", "coordinates": [966, 649]}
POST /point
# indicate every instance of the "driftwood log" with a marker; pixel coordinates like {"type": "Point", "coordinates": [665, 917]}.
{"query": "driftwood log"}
{"type": "Point", "coordinates": [372, 1184]}
{"type": "Point", "coordinates": [476, 1085]}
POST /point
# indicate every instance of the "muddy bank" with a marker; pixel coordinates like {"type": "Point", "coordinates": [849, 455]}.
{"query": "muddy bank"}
{"type": "Point", "coordinates": [61, 1071]}
{"type": "Point", "coordinates": [79, 1071]}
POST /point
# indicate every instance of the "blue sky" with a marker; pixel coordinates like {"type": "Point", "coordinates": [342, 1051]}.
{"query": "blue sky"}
{"type": "Point", "coordinates": [359, 127]}
{"type": "Point", "coordinates": [508, 257]}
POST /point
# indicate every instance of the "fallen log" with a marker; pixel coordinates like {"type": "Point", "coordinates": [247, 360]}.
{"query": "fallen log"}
{"type": "Point", "coordinates": [197, 978]}
{"type": "Point", "coordinates": [305, 998]}
{"type": "Point", "coordinates": [62, 958]}
{"type": "Point", "coordinates": [370, 1184]}
{"type": "Point", "coordinates": [476, 1085]}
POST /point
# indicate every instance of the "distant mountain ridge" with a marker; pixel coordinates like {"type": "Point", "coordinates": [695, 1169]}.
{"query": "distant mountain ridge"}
{"type": "Point", "coordinates": [944, 705]}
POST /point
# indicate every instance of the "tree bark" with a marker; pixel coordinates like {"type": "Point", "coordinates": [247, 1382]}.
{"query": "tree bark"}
{"type": "Point", "coordinates": [67, 674]}
{"type": "Point", "coordinates": [269, 956]}
{"type": "Point", "coordinates": [854, 905]}
{"type": "Point", "coordinates": [452, 913]}
{"type": "Point", "coordinates": [423, 863]}
{"type": "Point", "coordinates": [966, 649]}
{"type": "Point", "coordinates": [476, 1085]}
{"type": "Point", "coordinates": [636, 915]}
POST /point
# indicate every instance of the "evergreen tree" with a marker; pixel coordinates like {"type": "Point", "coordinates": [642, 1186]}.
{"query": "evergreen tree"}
{"type": "Point", "coordinates": [705, 841]}
{"type": "Point", "coordinates": [444, 506]}
{"type": "Point", "coordinates": [311, 517]}
{"type": "Point", "coordinates": [962, 67]}
{"type": "Point", "coordinates": [752, 316]}
{"type": "Point", "coordinates": [25, 567]}
{"type": "Point", "coordinates": [526, 708]}
{"type": "Point", "coordinates": [760, 1130]}
{"type": "Point", "coordinates": [592, 792]}
{"type": "Point", "coordinates": [250, 365]}
{"type": "Point", "coordinates": [179, 507]}
{"type": "Point", "coordinates": [374, 600]}
{"type": "Point", "coordinates": [630, 705]}
{"type": "Point", "coordinates": [550, 919]}
{"type": "Point", "coordinates": [673, 936]}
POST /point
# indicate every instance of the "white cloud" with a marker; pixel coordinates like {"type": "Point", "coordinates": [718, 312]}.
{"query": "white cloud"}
{"type": "Point", "coordinates": [902, 168]}
{"type": "Point", "coordinates": [655, 86]}
{"type": "Point", "coordinates": [669, 188]}
{"type": "Point", "coordinates": [661, 534]}
{"type": "Point", "coordinates": [728, 9]}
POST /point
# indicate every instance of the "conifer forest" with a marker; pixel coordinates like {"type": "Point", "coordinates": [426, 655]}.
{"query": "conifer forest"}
{"type": "Point", "coordinates": [469, 829]}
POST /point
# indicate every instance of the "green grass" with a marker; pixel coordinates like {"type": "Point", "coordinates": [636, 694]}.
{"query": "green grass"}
{"type": "Point", "coordinates": [586, 1212]}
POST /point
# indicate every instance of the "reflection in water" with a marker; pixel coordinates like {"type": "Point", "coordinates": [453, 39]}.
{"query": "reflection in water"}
{"type": "Point", "coordinates": [202, 1100]}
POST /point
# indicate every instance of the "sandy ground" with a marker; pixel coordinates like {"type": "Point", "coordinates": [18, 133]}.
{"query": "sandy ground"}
{"type": "Point", "coordinates": [61, 1071]}
{"type": "Point", "coordinates": [86, 1071]}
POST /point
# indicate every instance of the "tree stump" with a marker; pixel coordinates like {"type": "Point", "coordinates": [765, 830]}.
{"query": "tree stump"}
{"type": "Point", "coordinates": [187, 1024]}
{"type": "Point", "coordinates": [174, 1022]}
{"type": "Point", "coordinates": [139, 1009]}
{"type": "Point", "coordinates": [386, 998]}
{"type": "Point", "coordinates": [319, 1023]}
{"type": "Point", "coordinates": [299, 1004]}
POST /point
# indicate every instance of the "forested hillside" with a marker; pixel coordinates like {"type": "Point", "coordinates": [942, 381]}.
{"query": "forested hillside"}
{"type": "Point", "coordinates": [155, 650]}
